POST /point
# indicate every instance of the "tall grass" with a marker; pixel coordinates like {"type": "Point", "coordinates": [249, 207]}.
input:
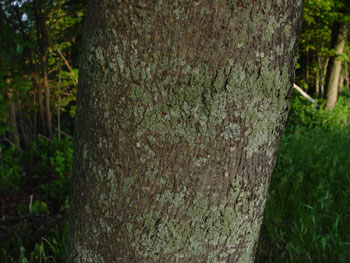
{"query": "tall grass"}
{"type": "Point", "coordinates": [307, 215]}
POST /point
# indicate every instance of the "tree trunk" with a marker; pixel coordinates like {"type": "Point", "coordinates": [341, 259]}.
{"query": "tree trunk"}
{"type": "Point", "coordinates": [180, 108]}
{"type": "Point", "coordinates": [47, 95]}
{"type": "Point", "coordinates": [38, 90]}
{"type": "Point", "coordinates": [321, 75]}
{"type": "Point", "coordinates": [12, 120]}
{"type": "Point", "coordinates": [341, 81]}
{"type": "Point", "coordinates": [59, 103]}
{"type": "Point", "coordinates": [13, 132]}
{"type": "Point", "coordinates": [335, 67]}
{"type": "Point", "coordinates": [347, 76]}
{"type": "Point", "coordinates": [324, 77]}
{"type": "Point", "coordinates": [42, 43]}
{"type": "Point", "coordinates": [318, 76]}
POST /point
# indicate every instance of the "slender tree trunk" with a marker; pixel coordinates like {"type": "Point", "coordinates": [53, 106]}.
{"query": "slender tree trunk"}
{"type": "Point", "coordinates": [318, 76]}
{"type": "Point", "coordinates": [324, 77]}
{"type": "Point", "coordinates": [13, 132]}
{"type": "Point", "coordinates": [180, 109]}
{"type": "Point", "coordinates": [335, 66]}
{"type": "Point", "coordinates": [12, 120]}
{"type": "Point", "coordinates": [59, 104]}
{"type": "Point", "coordinates": [42, 43]}
{"type": "Point", "coordinates": [341, 81]}
{"type": "Point", "coordinates": [47, 96]}
{"type": "Point", "coordinates": [35, 122]}
{"type": "Point", "coordinates": [347, 76]}
{"type": "Point", "coordinates": [38, 90]}
{"type": "Point", "coordinates": [307, 66]}
{"type": "Point", "coordinates": [321, 75]}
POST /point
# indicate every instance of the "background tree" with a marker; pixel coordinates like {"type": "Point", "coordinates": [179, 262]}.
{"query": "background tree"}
{"type": "Point", "coordinates": [314, 45]}
{"type": "Point", "coordinates": [37, 37]}
{"type": "Point", "coordinates": [322, 47]}
{"type": "Point", "coordinates": [333, 77]}
{"type": "Point", "coordinates": [180, 109]}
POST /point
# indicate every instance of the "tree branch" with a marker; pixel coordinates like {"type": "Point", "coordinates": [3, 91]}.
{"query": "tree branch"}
{"type": "Point", "coordinates": [303, 93]}
{"type": "Point", "coordinates": [67, 64]}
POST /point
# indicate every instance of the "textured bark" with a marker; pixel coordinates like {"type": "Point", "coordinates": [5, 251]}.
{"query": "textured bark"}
{"type": "Point", "coordinates": [180, 108]}
{"type": "Point", "coordinates": [335, 66]}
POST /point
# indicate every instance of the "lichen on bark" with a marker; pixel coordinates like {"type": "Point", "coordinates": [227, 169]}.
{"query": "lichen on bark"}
{"type": "Point", "coordinates": [179, 112]}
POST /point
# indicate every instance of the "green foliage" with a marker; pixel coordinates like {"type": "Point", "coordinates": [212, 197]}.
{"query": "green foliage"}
{"type": "Point", "coordinates": [56, 158]}
{"type": "Point", "coordinates": [47, 168]}
{"type": "Point", "coordinates": [315, 46]}
{"type": "Point", "coordinates": [304, 113]}
{"type": "Point", "coordinates": [58, 189]}
{"type": "Point", "coordinates": [48, 249]}
{"type": "Point", "coordinates": [307, 214]}
{"type": "Point", "coordinates": [10, 170]}
{"type": "Point", "coordinates": [38, 207]}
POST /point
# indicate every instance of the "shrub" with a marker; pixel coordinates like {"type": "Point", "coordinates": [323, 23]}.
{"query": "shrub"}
{"type": "Point", "coordinates": [304, 113]}
{"type": "Point", "coordinates": [10, 170]}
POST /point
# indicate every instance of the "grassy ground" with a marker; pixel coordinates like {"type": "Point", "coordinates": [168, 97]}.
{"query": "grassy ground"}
{"type": "Point", "coordinates": [307, 215]}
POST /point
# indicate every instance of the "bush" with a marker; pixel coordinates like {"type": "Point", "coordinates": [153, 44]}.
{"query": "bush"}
{"type": "Point", "coordinates": [10, 170]}
{"type": "Point", "coordinates": [35, 232]}
{"type": "Point", "coordinates": [304, 113]}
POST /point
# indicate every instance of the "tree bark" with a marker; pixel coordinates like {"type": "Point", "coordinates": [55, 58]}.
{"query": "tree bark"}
{"type": "Point", "coordinates": [180, 108]}
{"type": "Point", "coordinates": [335, 66]}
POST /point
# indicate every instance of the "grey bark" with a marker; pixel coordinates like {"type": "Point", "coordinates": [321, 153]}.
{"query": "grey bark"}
{"type": "Point", "coordinates": [180, 107]}
{"type": "Point", "coordinates": [335, 67]}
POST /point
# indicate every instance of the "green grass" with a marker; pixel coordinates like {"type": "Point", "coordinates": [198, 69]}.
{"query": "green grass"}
{"type": "Point", "coordinates": [307, 215]}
